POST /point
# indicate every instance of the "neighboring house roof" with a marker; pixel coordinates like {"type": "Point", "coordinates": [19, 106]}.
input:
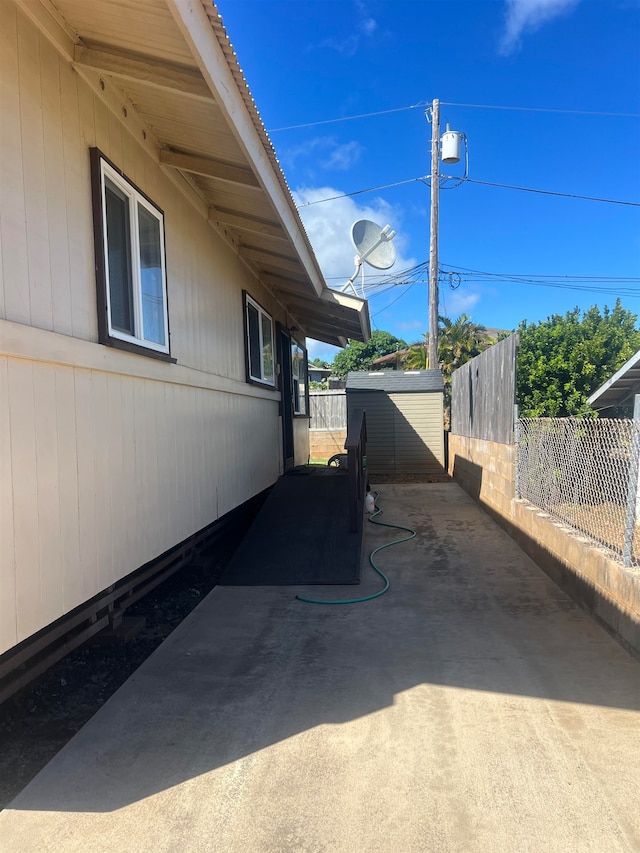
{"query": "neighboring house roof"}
{"type": "Point", "coordinates": [171, 67]}
{"type": "Point", "coordinates": [621, 388]}
{"type": "Point", "coordinates": [322, 371]}
{"type": "Point", "coordinates": [396, 380]}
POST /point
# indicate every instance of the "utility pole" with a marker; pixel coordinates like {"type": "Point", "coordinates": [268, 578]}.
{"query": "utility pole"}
{"type": "Point", "coordinates": [433, 240]}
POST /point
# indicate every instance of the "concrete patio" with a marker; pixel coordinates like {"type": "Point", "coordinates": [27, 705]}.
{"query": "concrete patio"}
{"type": "Point", "coordinates": [474, 707]}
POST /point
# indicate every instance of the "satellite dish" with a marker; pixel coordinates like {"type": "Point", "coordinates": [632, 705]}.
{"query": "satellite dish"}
{"type": "Point", "coordinates": [373, 244]}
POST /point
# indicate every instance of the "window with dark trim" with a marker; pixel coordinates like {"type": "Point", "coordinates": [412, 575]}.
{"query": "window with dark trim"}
{"type": "Point", "coordinates": [130, 263]}
{"type": "Point", "coordinates": [299, 376]}
{"type": "Point", "coordinates": [259, 343]}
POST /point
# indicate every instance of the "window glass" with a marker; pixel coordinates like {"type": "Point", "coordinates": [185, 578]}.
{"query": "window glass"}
{"type": "Point", "coordinates": [267, 348]}
{"type": "Point", "coordinates": [259, 343]}
{"type": "Point", "coordinates": [299, 376]}
{"type": "Point", "coordinates": [151, 278]}
{"type": "Point", "coordinates": [253, 321]}
{"type": "Point", "coordinates": [119, 259]}
{"type": "Point", "coordinates": [131, 271]}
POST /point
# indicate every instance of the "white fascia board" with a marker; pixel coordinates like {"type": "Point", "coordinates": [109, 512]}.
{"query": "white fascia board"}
{"type": "Point", "coordinates": [198, 33]}
{"type": "Point", "coordinates": [354, 303]}
{"type": "Point", "coordinates": [616, 376]}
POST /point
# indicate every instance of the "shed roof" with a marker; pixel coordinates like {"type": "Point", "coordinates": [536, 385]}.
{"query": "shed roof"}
{"type": "Point", "coordinates": [621, 388]}
{"type": "Point", "coordinates": [396, 380]}
{"type": "Point", "coordinates": [170, 66]}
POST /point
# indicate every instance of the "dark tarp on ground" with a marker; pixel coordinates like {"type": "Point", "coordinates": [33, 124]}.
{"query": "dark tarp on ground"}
{"type": "Point", "coordinates": [301, 534]}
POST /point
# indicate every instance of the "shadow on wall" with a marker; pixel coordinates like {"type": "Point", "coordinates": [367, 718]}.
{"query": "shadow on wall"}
{"type": "Point", "coordinates": [616, 620]}
{"type": "Point", "coordinates": [395, 446]}
{"type": "Point", "coordinates": [468, 475]}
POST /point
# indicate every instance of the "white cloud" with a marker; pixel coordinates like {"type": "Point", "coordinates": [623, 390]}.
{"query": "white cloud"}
{"type": "Point", "coordinates": [325, 152]}
{"type": "Point", "coordinates": [460, 302]}
{"type": "Point", "coordinates": [347, 46]}
{"type": "Point", "coordinates": [527, 16]}
{"type": "Point", "coordinates": [368, 26]}
{"type": "Point", "coordinates": [343, 157]}
{"type": "Point", "coordinates": [329, 228]}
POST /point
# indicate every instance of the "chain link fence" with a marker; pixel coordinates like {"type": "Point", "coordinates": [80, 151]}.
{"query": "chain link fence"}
{"type": "Point", "coordinates": [584, 473]}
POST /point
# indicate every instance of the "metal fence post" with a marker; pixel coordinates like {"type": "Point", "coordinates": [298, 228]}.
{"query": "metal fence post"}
{"type": "Point", "coordinates": [516, 436]}
{"type": "Point", "coordinates": [632, 491]}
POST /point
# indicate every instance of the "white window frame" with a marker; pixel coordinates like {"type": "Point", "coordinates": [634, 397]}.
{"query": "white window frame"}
{"type": "Point", "coordinates": [135, 198]}
{"type": "Point", "coordinates": [248, 300]}
{"type": "Point", "coordinates": [296, 393]}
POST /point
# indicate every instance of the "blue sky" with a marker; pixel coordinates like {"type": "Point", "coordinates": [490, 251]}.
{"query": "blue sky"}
{"type": "Point", "coordinates": [570, 63]}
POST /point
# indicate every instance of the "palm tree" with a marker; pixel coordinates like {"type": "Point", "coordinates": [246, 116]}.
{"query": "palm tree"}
{"type": "Point", "coordinates": [458, 342]}
{"type": "Point", "coordinates": [417, 358]}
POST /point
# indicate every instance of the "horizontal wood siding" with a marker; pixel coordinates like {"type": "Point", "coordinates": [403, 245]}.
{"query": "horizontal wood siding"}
{"type": "Point", "coordinates": [107, 458]}
{"type": "Point", "coordinates": [419, 433]}
{"type": "Point", "coordinates": [101, 473]}
{"type": "Point", "coordinates": [405, 433]}
{"type": "Point", "coordinates": [380, 429]}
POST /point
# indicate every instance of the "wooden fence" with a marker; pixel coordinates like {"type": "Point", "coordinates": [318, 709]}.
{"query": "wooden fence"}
{"type": "Point", "coordinates": [483, 394]}
{"type": "Point", "coordinates": [328, 410]}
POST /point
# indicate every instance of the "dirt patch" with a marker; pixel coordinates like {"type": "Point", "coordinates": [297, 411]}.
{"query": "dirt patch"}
{"type": "Point", "coordinates": [38, 721]}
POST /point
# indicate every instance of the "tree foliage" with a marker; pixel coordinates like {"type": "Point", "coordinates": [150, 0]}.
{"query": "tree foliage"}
{"type": "Point", "coordinates": [564, 359]}
{"type": "Point", "coordinates": [359, 356]}
{"type": "Point", "coordinates": [458, 341]}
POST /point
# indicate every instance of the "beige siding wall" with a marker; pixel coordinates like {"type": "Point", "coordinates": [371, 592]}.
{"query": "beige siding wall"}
{"type": "Point", "coordinates": [107, 458]}
{"type": "Point", "coordinates": [405, 432]}
{"type": "Point", "coordinates": [419, 433]}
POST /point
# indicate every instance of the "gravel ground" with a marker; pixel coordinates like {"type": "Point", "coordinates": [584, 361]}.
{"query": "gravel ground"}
{"type": "Point", "coordinates": [37, 722]}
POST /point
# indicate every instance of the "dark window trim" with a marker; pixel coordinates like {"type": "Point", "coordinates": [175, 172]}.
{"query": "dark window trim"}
{"type": "Point", "coordinates": [272, 386]}
{"type": "Point", "coordinates": [96, 156]}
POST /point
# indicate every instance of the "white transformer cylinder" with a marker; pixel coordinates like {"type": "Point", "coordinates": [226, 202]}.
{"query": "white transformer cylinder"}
{"type": "Point", "coordinates": [450, 142]}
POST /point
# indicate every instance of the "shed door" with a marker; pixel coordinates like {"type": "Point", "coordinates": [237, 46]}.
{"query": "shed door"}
{"type": "Point", "coordinates": [418, 433]}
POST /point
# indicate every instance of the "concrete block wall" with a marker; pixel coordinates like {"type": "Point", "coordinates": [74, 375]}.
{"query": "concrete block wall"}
{"type": "Point", "coordinates": [324, 443]}
{"type": "Point", "coordinates": [611, 593]}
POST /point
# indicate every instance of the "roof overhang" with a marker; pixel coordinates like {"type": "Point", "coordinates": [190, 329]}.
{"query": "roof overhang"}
{"type": "Point", "coordinates": [621, 388]}
{"type": "Point", "coordinates": [169, 65]}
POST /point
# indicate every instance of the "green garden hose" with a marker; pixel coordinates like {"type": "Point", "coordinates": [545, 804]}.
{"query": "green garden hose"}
{"type": "Point", "coordinates": [382, 591]}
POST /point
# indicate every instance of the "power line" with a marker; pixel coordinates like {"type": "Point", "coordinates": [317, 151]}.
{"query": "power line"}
{"type": "Point", "coordinates": [543, 110]}
{"type": "Point", "coordinates": [549, 275]}
{"type": "Point", "coordinates": [359, 192]}
{"type": "Point", "coordinates": [549, 192]}
{"type": "Point", "coordinates": [471, 181]}
{"type": "Point", "coordinates": [393, 301]}
{"type": "Point", "coordinates": [349, 118]}
{"type": "Point", "coordinates": [452, 104]}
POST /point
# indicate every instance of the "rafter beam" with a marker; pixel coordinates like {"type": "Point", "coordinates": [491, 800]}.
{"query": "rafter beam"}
{"type": "Point", "coordinates": [209, 168]}
{"type": "Point", "coordinates": [127, 66]}
{"type": "Point", "coordinates": [286, 284]}
{"type": "Point", "coordinates": [244, 223]}
{"type": "Point", "coordinates": [277, 261]}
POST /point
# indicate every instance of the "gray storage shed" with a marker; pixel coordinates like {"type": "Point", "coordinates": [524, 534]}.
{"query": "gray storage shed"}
{"type": "Point", "coordinates": [405, 426]}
